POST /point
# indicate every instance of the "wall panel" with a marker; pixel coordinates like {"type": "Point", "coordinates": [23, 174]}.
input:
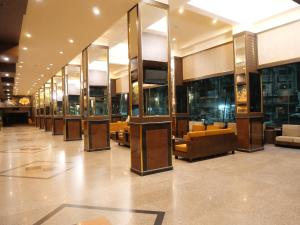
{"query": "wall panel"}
{"type": "Point", "coordinates": [217, 60]}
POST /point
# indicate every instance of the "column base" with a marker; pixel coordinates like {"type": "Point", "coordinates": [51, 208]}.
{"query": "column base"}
{"type": "Point", "coordinates": [149, 172]}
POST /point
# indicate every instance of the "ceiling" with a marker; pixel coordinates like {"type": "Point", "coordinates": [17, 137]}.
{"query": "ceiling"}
{"type": "Point", "coordinates": [11, 16]}
{"type": "Point", "coordinates": [52, 23]}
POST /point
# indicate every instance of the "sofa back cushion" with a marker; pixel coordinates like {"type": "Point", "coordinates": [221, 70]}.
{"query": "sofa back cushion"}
{"type": "Point", "coordinates": [198, 127]}
{"type": "Point", "coordinates": [220, 125]}
{"type": "Point", "coordinates": [195, 134]}
{"type": "Point", "coordinates": [191, 123]}
{"type": "Point", "coordinates": [291, 130]}
{"type": "Point", "coordinates": [218, 132]}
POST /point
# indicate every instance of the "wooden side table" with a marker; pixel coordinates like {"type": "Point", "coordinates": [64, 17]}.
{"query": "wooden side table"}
{"type": "Point", "coordinates": [270, 135]}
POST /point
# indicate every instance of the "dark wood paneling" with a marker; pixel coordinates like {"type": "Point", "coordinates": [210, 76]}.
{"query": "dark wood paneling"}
{"type": "Point", "coordinates": [158, 150]}
{"type": "Point", "coordinates": [96, 135]}
{"type": "Point", "coordinates": [243, 137]}
{"type": "Point", "coordinates": [135, 147]}
{"type": "Point", "coordinates": [37, 121]}
{"type": "Point", "coordinates": [48, 124]}
{"type": "Point", "coordinates": [178, 71]}
{"type": "Point", "coordinates": [58, 126]}
{"type": "Point", "coordinates": [72, 130]}
{"type": "Point", "coordinates": [113, 87]}
{"type": "Point", "coordinates": [42, 122]}
{"type": "Point", "coordinates": [256, 133]}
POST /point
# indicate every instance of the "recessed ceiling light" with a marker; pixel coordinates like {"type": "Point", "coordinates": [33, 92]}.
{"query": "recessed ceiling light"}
{"type": "Point", "coordinates": [39, 79]}
{"type": "Point", "coordinates": [20, 66]}
{"type": "Point", "coordinates": [215, 21]}
{"type": "Point", "coordinates": [47, 68]}
{"type": "Point", "coordinates": [25, 48]}
{"type": "Point", "coordinates": [71, 41]}
{"type": "Point", "coordinates": [96, 11]}
{"type": "Point", "coordinates": [50, 64]}
{"type": "Point", "coordinates": [61, 52]}
{"type": "Point", "coordinates": [181, 10]}
{"type": "Point", "coordinates": [42, 75]}
{"type": "Point", "coordinates": [8, 84]}
{"type": "Point", "coordinates": [5, 58]}
{"type": "Point", "coordinates": [7, 75]}
{"type": "Point", "coordinates": [28, 35]}
{"type": "Point", "coordinates": [17, 78]}
{"type": "Point", "coordinates": [21, 62]}
{"type": "Point", "coordinates": [174, 39]}
{"type": "Point", "coordinates": [7, 89]}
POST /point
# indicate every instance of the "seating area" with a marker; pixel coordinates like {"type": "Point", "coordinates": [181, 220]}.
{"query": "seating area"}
{"type": "Point", "coordinates": [120, 132]}
{"type": "Point", "coordinates": [290, 136]}
{"type": "Point", "coordinates": [204, 141]}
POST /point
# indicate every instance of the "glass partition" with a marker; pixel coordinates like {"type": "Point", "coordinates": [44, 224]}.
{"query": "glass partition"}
{"type": "Point", "coordinates": [281, 94]}
{"type": "Point", "coordinates": [48, 98]}
{"type": "Point", "coordinates": [57, 94]}
{"type": "Point", "coordinates": [97, 80]}
{"type": "Point", "coordinates": [212, 100]}
{"type": "Point", "coordinates": [72, 89]}
{"type": "Point", "coordinates": [42, 102]}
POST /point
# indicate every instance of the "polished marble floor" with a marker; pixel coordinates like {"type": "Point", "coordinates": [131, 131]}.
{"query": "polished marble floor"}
{"type": "Point", "coordinates": [44, 180]}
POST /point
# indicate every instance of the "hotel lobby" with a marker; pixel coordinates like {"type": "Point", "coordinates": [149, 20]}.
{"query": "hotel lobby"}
{"type": "Point", "coordinates": [149, 112]}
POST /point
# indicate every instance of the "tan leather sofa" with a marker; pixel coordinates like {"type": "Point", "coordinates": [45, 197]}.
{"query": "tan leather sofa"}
{"type": "Point", "coordinates": [290, 136]}
{"type": "Point", "coordinates": [204, 143]}
{"type": "Point", "coordinates": [115, 127]}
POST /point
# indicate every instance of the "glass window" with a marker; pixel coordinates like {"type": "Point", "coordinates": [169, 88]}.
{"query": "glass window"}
{"type": "Point", "coordinates": [212, 99]}
{"type": "Point", "coordinates": [281, 94]}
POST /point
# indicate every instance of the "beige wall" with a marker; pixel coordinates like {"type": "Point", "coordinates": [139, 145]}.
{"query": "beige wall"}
{"type": "Point", "coordinates": [122, 85]}
{"type": "Point", "coordinates": [209, 62]}
{"type": "Point", "coordinates": [279, 44]}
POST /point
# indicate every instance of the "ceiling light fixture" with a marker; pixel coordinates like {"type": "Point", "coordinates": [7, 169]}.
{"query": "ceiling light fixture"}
{"type": "Point", "coordinates": [21, 62]}
{"type": "Point", "coordinates": [181, 10]}
{"type": "Point", "coordinates": [42, 75]}
{"type": "Point", "coordinates": [5, 58]}
{"type": "Point", "coordinates": [50, 64]}
{"type": "Point", "coordinates": [215, 21]}
{"type": "Point", "coordinates": [47, 68]}
{"type": "Point", "coordinates": [174, 39]}
{"type": "Point", "coordinates": [20, 66]}
{"type": "Point", "coordinates": [96, 11]}
{"type": "Point", "coordinates": [8, 84]}
{"type": "Point", "coordinates": [61, 52]}
{"type": "Point", "coordinates": [7, 75]}
{"type": "Point", "coordinates": [71, 41]}
{"type": "Point", "coordinates": [25, 48]}
{"type": "Point", "coordinates": [28, 35]}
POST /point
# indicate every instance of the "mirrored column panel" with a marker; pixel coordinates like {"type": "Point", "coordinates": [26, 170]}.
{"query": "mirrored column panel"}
{"type": "Point", "coordinates": [72, 100]}
{"type": "Point", "coordinates": [42, 107]}
{"type": "Point", "coordinates": [57, 104]}
{"type": "Point", "coordinates": [96, 98]}
{"type": "Point", "coordinates": [37, 109]}
{"type": "Point", "coordinates": [150, 88]}
{"type": "Point", "coordinates": [48, 105]}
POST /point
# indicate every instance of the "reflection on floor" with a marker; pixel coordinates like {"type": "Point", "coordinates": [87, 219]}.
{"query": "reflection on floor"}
{"type": "Point", "coordinates": [44, 180]}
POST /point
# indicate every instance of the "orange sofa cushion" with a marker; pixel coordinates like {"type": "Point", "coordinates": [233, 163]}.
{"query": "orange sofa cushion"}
{"type": "Point", "coordinates": [197, 127]}
{"type": "Point", "coordinates": [196, 134]}
{"type": "Point", "coordinates": [218, 131]}
{"type": "Point", "coordinates": [181, 148]}
{"type": "Point", "coordinates": [212, 127]}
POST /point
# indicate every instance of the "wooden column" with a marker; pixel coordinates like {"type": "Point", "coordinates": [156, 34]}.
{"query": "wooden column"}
{"type": "Point", "coordinates": [180, 116]}
{"type": "Point", "coordinates": [72, 102]}
{"type": "Point", "coordinates": [249, 116]}
{"type": "Point", "coordinates": [96, 97]}
{"type": "Point", "coordinates": [149, 88]}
